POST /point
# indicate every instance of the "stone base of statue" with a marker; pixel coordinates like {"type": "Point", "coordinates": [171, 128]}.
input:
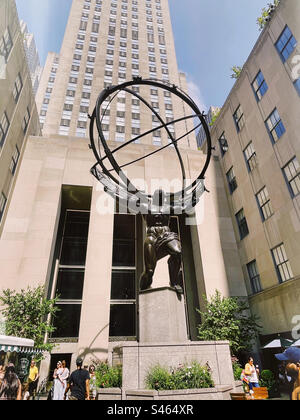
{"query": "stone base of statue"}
{"type": "Point", "coordinates": [162, 316]}
{"type": "Point", "coordinates": [163, 340]}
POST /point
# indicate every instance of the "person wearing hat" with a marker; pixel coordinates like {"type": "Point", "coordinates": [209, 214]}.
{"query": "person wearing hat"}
{"type": "Point", "coordinates": [292, 356]}
{"type": "Point", "coordinates": [79, 383]}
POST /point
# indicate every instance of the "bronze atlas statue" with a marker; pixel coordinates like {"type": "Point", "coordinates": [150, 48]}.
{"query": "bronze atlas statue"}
{"type": "Point", "coordinates": [156, 209]}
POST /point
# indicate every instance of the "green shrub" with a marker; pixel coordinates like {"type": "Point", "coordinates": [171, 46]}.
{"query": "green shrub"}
{"type": "Point", "coordinates": [108, 376]}
{"type": "Point", "coordinates": [159, 377]}
{"type": "Point", "coordinates": [267, 379]}
{"type": "Point", "coordinates": [191, 376]}
{"type": "Point", "coordinates": [237, 371]}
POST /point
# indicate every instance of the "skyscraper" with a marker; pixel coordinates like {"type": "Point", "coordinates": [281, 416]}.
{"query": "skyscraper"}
{"type": "Point", "coordinates": [32, 56]}
{"type": "Point", "coordinates": [106, 43]}
{"type": "Point", "coordinates": [18, 114]}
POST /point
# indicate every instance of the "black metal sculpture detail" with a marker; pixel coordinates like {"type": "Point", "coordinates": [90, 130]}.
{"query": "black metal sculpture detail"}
{"type": "Point", "coordinates": [157, 209]}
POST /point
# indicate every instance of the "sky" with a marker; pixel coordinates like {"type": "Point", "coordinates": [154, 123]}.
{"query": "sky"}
{"type": "Point", "coordinates": [211, 36]}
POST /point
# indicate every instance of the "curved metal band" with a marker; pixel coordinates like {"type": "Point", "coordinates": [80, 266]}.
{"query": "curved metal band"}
{"type": "Point", "coordinates": [109, 154]}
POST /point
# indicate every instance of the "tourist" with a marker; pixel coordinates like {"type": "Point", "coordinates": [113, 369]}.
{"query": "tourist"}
{"type": "Point", "coordinates": [79, 382]}
{"type": "Point", "coordinates": [93, 386]}
{"type": "Point", "coordinates": [60, 376]}
{"type": "Point", "coordinates": [2, 373]}
{"type": "Point", "coordinates": [292, 357]}
{"type": "Point", "coordinates": [252, 374]}
{"type": "Point", "coordinates": [32, 379]}
{"type": "Point", "coordinates": [11, 388]}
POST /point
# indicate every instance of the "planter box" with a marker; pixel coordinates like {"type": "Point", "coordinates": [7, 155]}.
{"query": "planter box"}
{"type": "Point", "coordinates": [110, 394]}
{"type": "Point", "coordinates": [213, 394]}
{"type": "Point", "coordinates": [218, 393]}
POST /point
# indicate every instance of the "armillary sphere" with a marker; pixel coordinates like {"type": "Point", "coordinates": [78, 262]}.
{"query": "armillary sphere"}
{"type": "Point", "coordinates": [115, 180]}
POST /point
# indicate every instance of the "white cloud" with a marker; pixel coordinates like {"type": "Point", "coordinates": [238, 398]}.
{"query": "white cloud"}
{"type": "Point", "coordinates": [195, 93]}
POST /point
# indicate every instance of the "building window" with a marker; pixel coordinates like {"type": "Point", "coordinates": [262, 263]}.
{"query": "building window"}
{"type": "Point", "coordinates": [250, 157]}
{"type": "Point", "coordinates": [286, 44]}
{"type": "Point", "coordinates": [242, 224]}
{"type": "Point", "coordinates": [83, 25]}
{"type": "Point", "coordinates": [231, 178]}
{"type": "Point", "coordinates": [84, 109]}
{"type": "Point", "coordinates": [282, 264]}
{"type": "Point", "coordinates": [14, 161]}
{"type": "Point", "coordinates": [69, 285]}
{"type": "Point", "coordinates": [68, 107]}
{"type": "Point", "coordinates": [65, 123]}
{"type": "Point", "coordinates": [260, 86]}
{"type": "Point", "coordinates": [123, 284]}
{"type": "Point", "coordinates": [297, 85]}
{"type": "Point", "coordinates": [17, 88]}
{"type": "Point", "coordinates": [26, 120]}
{"type": "Point", "coordinates": [135, 131]}
{"type": "Point", "coordinates": [81, 124]}
{"type": "Point", "coordinates": [264, 204]}
{"type": "Point", "coordinates": [135, 116]}
{"type": "Point", "coordinates": [120, 129]}
{"type": "Point", "coordinates": [223, 144]}
{"type": "Point", "coordinates": [275, 126]}
{"type": "Point", "coordinates": [6, 44]}
{"type": "Point", "coordinates": [254, 277]}
{"type": "Point", "coordinates": [292, 176]}
{"type": "Point", "coordinates": [3, 201]}
{"type": "Point", "coordinates": [4, 126]}
{"type": "Point", "coordinates": [239, 119]}
{"type": "Point", "coordinates": [70, 93]}
{"type": "Point", "coordinates": [68, 261]}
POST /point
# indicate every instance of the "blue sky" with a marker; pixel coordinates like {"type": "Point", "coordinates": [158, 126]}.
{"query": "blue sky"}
{"type": "Point", "coordinates": [210, 37]}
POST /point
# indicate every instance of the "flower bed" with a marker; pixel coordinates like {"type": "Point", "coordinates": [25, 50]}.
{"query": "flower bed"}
{"type": "Point", "coordinates": [192, 376]}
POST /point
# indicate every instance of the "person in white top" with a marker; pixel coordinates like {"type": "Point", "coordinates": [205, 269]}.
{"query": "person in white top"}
{"type": "Point", "coordinates": [61, 375]}
{"type": "Point", "coordinates": [252, 373]}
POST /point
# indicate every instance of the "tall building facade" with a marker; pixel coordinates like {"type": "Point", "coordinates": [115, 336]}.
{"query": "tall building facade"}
{"type": "Point", "coordinates": [32, 55]}
{"type": "Point", "coordinates": [18, 114]}
{"type": "Point", "coordinates": [201, 136]}
{"type": "Point", "coordinates": [257, 141]}
{"type": "Point", "coordinates": [107, 43]}
{"type": "Point", "coordinates": [69, 236]}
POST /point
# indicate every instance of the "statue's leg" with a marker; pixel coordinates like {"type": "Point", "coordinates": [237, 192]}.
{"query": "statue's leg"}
{"type": "Point", "coordinates": [150, 264]}
{"type": "Point", "coordinates": [174, 263]}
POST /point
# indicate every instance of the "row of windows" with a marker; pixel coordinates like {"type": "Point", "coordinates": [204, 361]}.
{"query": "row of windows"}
{"type": "Point", "coordinates": [291, 171]}
{"type": "Point", "coordinates": [12, 168]}
{"type": "Point", "coordinates": [6, 44]}
{"type": "Point", "coordinates": [282, 266]}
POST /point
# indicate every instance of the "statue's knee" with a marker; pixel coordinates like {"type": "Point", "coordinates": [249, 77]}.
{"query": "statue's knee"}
{"type": "Point", "coordinates": [176, 253]}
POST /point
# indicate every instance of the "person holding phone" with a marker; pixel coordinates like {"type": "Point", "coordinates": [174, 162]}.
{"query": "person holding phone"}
{"type": "Point", "coordinates": [252, 373]}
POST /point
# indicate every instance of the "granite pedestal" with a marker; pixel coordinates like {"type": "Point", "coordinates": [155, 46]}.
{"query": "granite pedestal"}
{"type": "Point", "coordinates": [164, 341]}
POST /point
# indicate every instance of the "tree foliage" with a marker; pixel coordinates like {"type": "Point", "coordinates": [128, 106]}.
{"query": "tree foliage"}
{"type": "Point", "coordinates": [236, 72]}
{"type": "Point", "coordinates": [265, 14]}
{"type": "Point", "coordinates": [26, 315]}
{"type": "Point", "coordinates": [228, 319]}
{"type": "Point", "coordinates": [215, 117]}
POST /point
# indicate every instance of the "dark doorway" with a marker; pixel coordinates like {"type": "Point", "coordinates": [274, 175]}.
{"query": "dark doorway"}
{"type": "Point", "coordinates": [59, 358]}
